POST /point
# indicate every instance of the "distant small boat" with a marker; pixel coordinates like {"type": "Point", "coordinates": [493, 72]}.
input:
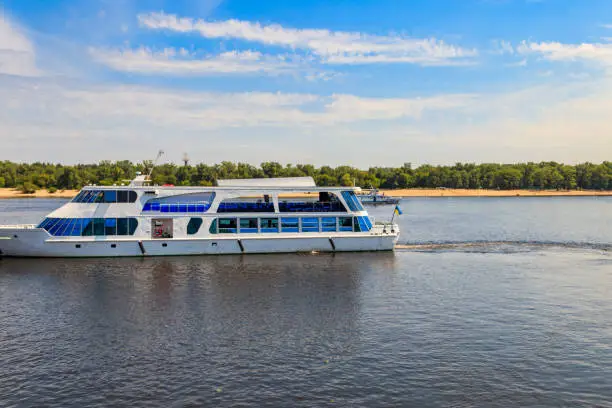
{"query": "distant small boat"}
{"type": "Point", "coordinates": [373, 197]}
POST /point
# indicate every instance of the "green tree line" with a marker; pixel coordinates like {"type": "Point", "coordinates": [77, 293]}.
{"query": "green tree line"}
{"type": "Point", "coordinates": [545, 175]}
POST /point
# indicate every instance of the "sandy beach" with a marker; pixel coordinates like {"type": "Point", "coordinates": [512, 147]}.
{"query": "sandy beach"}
{"type": "Point", "coordinates": [415, 192]}
{"type": "Point", "coordinates": [12, 193]}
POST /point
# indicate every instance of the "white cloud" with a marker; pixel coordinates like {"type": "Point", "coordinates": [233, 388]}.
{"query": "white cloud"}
{"type": "Point", "coordinates": [16, 50]}
{"type": "Point", "coordinates": [350, 107]}
{"type": "Point", "coordinates": [334, 47]}
{"type": "Point", "coordinates": [111, 106]}
{"type": "Point", "coordinates": [556, 51]}
{"type": "Point", "coordinates": [563, 122]}
{"type": "Point", "coordinates": [181, 62]}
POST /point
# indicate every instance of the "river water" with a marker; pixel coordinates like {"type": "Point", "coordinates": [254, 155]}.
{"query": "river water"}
{"type": "Point", "coordinates": [491, 302]}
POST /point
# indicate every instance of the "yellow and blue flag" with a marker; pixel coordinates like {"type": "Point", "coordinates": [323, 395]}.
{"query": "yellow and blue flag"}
{"type": "Point", "coordinates": [398, 210]}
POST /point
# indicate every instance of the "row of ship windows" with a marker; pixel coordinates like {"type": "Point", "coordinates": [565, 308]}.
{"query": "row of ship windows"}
{"type": "Point", "coordinates": [106, 196]}
{"type": "Point", "coordinates": [129, 196]}
{"type": "Point", "coordinates": [244, 207]}
{"type": "Point", "coordinates": [127, 226]}
{"type": "Point", "coordinates": [289, 224]}
{"type": "Point", "coordinates": [82, 227]}
{"type": "Point", "coordinates": [177, 208]}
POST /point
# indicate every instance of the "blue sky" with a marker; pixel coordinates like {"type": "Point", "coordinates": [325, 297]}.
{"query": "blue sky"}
{"type": "Point", "coordinates": [356, 82]}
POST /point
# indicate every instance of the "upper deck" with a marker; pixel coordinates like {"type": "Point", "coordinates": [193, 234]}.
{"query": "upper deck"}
{"type": "Point", "coordinates": [278, 185]}
{"type": "Point", "coordinates": [293, 195]}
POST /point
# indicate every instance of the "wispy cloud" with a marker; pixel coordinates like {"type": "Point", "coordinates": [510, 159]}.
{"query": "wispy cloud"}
{"type": "Point", "coordinates": [16, 50]}
{"type": "Point", "coordinates": [556, 51]}
{"type": "Point", "coordinates": [182, 62]}
{"type": "Point", "coordinates": [336, 47]}
{"type": "Point", "coordinates": [502, 47]}
{"type": "Point", "coordinates": [56, 103]}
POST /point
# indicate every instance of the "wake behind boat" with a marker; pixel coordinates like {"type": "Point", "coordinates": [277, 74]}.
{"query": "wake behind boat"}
{"type": "Point", "coordinates": [238, 216]}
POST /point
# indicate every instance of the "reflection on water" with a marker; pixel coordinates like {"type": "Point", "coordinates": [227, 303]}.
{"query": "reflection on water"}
{"type": "Point", "coordinates": [206, 320]}
{"type": "Point", "coordinates": [411, 328]}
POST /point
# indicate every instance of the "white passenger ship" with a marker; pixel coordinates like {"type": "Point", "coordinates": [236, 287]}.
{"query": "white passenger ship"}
{"type": "Point", "coordinates": [238, 216]}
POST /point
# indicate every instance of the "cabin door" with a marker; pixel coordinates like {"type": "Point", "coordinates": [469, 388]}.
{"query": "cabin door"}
{"type": "Point", "coordinates": [162, 228]}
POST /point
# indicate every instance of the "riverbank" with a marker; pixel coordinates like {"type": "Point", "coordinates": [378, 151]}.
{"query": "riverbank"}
{"type": "Point", "coordinates": [421, 192]}
{"type": "Point", "coordinates": [6, 193]}
{"type": "Point", "coordinates": [12, 193]}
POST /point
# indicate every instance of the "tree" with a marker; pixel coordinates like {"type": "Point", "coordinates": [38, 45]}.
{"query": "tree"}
{"type": "Point", "coordinates": [507, 179]}
{"type": "Point", "coordinates": [460, 175]}
{"type": "Point", "coordinates": [272, 169]}
{"type": "Point", "coordinates": [569, 177]}
{"type": "Point", "coordinates": [68, 179]}
{"type": "Point", "coordinates": [346, 180]}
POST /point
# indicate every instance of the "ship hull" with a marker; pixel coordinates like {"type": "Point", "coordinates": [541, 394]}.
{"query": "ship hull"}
{"type": "Point", "coordinates": [35, 242]}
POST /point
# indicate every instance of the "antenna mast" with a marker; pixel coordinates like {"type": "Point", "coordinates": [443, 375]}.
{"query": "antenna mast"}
{"type": "Point", "coordinates": [159, 154]}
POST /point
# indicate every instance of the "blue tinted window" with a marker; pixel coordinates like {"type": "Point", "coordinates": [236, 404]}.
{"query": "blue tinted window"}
{"type": "Point", "coordinates": [213, 227]}
{"type": "Point", "coordinates": [122, 226]}
{"type": "Point", "coordinates": [44, 223]}
{"type": "Point", "coordinates": [365, 224]}
{"type": "Point", "coordinates": [352, 201]}
{"type": "Point", "coordinates": [268, 224]}
{"type": "Point", "coordinates": [110, 196]}
{"type": "Point", "coordinates": [259, 206]}
{"type": "Point", "coordinates": [98, 226]}
{"type": "Point", "coordinates": [90, 197]}
{"type": "Point", "coordinates": [53, 230]}
{"type": "Point", "coordinates": [356, 227]}
{"type": "Point", "coordinates": [328, 224]}
{"type": "Point", "coordinates": [329, 206]}
{"type": "Point", "coordinates": [122, 196]}
{"type": "Point", "coordinates": [133, 224]}
{"type": "Point", "coordinates": [248, 225]}
{"type": "Point", "coordinates": [55, 226]}
{"type": "Point", "coordinates": [310, 225]}
{"type": "Point", "coordinates": [87, 227]}
{"type": "Point", "coordinates": [289, 225]}
{"type": "Point", "coordinates": [202, 205]}
{"type": "Point", "coordinates": [110, 226]}
{"type": "Point", "coordinates": [85, 197]}
{"type": "Point", "coordinates": [67, 228]}
{"type": "Point", "coordinates": [76, 228]}
{"type": "Point", "coordinates": [194, 226]}
{"type": "Point", "coordinates": [228, 225]}
{"type": "Point", "coordinates": [345, 224]}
